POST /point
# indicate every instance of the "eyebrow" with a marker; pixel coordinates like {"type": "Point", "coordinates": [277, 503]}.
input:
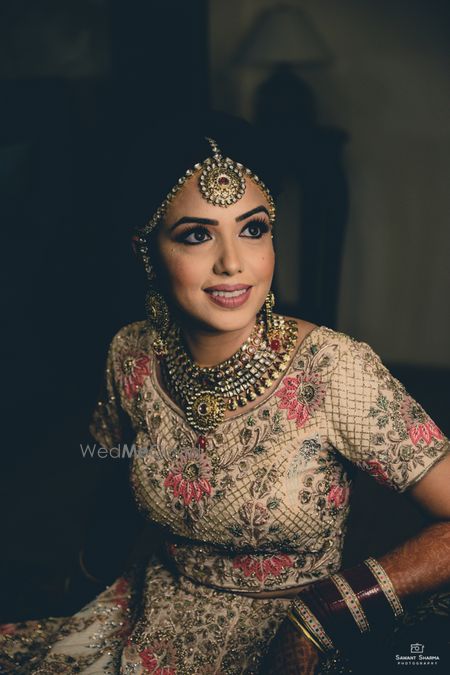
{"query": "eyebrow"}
{"type": "Point", "coordinates": [209, 221]}
{"type": "Point", "coordinates": [258, 209]}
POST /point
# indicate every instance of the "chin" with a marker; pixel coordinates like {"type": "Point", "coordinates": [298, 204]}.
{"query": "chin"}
{"type": "Point", "coordinates": [216, 319]}
{"type": "Point", "coordinates": [231, 322]}
{"type": "Point", "coordinates": [206, 314]}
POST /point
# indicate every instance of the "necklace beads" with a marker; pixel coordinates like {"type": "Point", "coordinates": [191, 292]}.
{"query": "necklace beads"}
{"type": "Point", "coordinates": [206, 393]}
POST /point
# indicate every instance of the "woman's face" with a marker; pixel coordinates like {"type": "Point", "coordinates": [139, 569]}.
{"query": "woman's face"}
{"type": "Point", "coordinates": [218, 262]}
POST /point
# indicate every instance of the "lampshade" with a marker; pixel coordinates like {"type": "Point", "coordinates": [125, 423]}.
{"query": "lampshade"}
{"type": "Point", "coordinates": [283, 34]}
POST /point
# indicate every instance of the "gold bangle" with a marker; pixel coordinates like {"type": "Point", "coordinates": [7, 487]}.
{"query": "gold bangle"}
{"type": "Point", "coordinates": [386, 585]}
{"type": "Point", "coordinates": [304, 630]}
{"type": "Point", "coordinates": [306, 617]}
{"type": "Point", "coordinates": [351, 600]}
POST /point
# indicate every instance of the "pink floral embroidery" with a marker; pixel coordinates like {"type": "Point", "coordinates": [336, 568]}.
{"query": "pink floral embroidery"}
{"type": "Point", "coordinates": [376, 470]}
{"type": "Point", "coordinates": [151, 662]}
{"type": "Point", "coordinates": [260, 567]}
{"type": "Point", "coordinates": [338, 496]}
{"type": "Point", "coordinates": [189, 478]}
{"type": "Point", "coordinates": [135, 369]}
{"type": "Point", "coordinates": [301, 395]}
{"type": "Point", "coordinates": [418, 425]}
{"type": "Point", "coordinates": [7, 629]}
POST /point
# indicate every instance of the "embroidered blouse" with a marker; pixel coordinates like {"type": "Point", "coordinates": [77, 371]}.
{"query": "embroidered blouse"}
{"type": "Point", "coordinates": [264, 505]}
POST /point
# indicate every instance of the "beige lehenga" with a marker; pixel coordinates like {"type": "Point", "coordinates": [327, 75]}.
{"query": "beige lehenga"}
{"type": "Point", "coordinates": [262, 507]}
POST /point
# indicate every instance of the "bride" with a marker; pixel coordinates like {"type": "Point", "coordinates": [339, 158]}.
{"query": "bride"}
{"type": "Point", "coordinates": [247, 423]}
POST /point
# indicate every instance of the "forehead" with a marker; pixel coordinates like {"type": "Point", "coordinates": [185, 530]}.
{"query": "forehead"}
{"type": "Point", "coordinates": [190, 202]}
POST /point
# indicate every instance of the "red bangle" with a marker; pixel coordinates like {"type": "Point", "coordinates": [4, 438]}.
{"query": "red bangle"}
{"type": "Point", "coordinates": [344, 606]}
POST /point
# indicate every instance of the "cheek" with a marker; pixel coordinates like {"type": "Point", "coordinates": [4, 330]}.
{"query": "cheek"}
{"type": "Point", "coordinates": [183, 271]}
{"type": "Point", "coordinates": [264, 263]}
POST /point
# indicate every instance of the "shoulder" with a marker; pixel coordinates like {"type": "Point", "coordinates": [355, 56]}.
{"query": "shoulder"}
{"type": "Point", "coordinates": [131, 341]}
{"type": "Point", "coordinates": [346, 350]}
{"type": "Point", "coordinates": [303, 327]}
{"type": "Point", "coordinates": [132, 334]}
{"type": "Point", "coordinates": [322, 335]}
{"type": "Point", "coordinates": [130, 357]}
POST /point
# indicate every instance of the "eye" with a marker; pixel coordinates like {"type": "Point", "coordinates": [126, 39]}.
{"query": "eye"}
{"type": "Point", "coordinates": [256, 229]}
{"type": "Point", "coordinates": [194, 236]}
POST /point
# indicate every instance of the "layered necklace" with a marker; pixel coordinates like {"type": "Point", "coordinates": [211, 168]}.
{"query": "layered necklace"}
{"type": "Point", "coordinates": [206, 393]}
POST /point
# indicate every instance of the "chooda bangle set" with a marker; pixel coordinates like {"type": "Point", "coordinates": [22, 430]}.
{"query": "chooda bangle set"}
{"type": "Point", "coordinates": [334, 611]}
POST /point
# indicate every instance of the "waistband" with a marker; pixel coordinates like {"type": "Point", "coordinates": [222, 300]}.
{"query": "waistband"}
{"type": "Point", "coordinates": [240, 572]}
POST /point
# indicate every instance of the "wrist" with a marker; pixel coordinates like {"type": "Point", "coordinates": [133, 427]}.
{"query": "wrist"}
{"type": "Point", "coordinates": [336, 610]}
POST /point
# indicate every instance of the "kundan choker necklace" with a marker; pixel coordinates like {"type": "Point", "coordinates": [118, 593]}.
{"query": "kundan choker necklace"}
{"type": "Point", "coordinates": [206, 393]}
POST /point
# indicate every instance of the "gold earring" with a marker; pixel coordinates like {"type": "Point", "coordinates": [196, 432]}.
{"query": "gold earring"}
{"type": "Point", "coordinates": [158, 319]}
{"type": "Point", "coordinates": [273, 336]}
{"type": "Point", "coordinates": [268, 315]}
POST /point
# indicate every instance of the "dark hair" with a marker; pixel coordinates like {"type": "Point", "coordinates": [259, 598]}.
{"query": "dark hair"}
{"type": "Point", "coordinates": [162, 155]}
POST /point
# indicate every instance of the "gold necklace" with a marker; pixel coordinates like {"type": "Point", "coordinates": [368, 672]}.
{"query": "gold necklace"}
{"type": "Point", "coordinates": [206, 393]}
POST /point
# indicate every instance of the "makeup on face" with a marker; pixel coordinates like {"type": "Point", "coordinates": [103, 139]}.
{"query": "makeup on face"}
{"type": "Point", "coordinates": [197, 234]}
{"type": "Point", "coordinates": [218, 261]}
{"type": "Point", "coordinates": [209, 221]}
{"type": "Point", "coordinates": [230, 296]}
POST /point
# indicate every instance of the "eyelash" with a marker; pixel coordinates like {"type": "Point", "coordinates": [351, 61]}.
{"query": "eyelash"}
{"type": "Point", "coordinates": [182, 238]}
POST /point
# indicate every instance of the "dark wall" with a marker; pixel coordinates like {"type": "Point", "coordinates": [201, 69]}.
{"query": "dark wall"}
{"type": "Point", "coordinates": [68, 271]}
{"type": "Point", "coordinates": [67, 120]}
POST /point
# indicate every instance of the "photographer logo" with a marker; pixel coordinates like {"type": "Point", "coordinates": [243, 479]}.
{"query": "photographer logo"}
{"type": "Point", "coordinates": [417, 648]}
{"type": "Point", "coordinates": [416, 657]}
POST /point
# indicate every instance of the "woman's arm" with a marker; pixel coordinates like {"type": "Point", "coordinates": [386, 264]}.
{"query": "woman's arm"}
{"type": "Point", "coordinates": [419, 565]}
{"type": "Point", "coordinates": [422, 563]}
{"type": "Point", "coordinates": [114, 522]}
{"type": "Point", "coordinates": [369, 418]}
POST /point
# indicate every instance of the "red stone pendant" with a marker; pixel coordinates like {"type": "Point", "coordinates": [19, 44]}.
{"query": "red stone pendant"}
{"type": "Point", "coordinates": [275, 345]}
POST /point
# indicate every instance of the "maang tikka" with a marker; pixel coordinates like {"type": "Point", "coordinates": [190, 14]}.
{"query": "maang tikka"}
{"type": "Point", "coordinates": [221, 182]}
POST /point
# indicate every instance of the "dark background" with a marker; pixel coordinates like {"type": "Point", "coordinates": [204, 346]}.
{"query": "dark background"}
{"type": "Point", "coordinates": [70, 280]}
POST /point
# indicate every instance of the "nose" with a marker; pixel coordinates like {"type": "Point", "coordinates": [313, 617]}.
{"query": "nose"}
{"type": "Point", "coordinates": [228, 260]}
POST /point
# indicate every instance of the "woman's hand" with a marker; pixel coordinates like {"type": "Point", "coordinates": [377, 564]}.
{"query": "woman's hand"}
{"type": "Point", "coordinates": [291, 653]}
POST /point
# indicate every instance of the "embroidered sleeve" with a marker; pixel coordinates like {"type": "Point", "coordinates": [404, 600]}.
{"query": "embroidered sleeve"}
{"type": "Point", "coordinates": [107, 422]}
{"type": "Point", "coordinates": [376, 424]}
{"type": "Point", "coordinates": [116, 417]}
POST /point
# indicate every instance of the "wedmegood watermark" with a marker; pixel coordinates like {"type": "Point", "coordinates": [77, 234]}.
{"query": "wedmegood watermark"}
{"type": "Point", "coordinates": [115, 451]}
